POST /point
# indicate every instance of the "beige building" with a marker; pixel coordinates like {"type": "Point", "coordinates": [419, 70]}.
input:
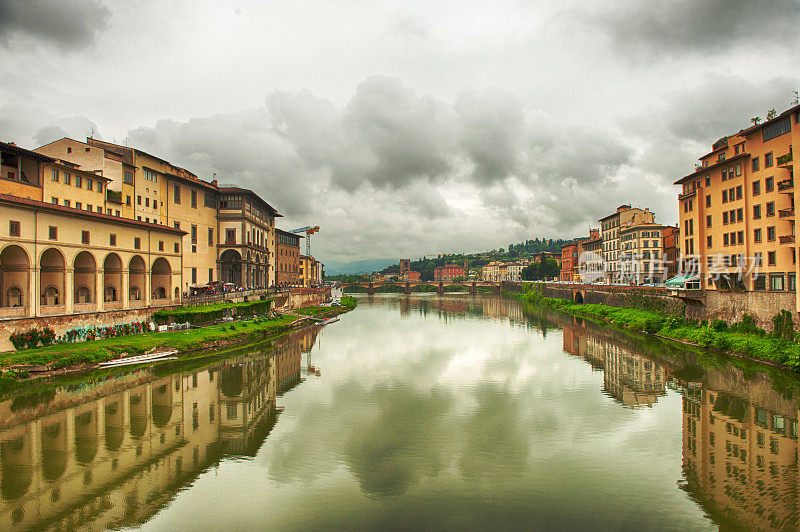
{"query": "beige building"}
{"type": "Point", "coordinates": [642, 257]}
{"type": "Point", "coordinates": [610, 227]}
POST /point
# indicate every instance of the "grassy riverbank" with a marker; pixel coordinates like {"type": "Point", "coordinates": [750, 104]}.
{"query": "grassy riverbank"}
{"type": "Point", "coordinates": [743, 338]}
{"type": "Point", "coordinates": [91, 352]}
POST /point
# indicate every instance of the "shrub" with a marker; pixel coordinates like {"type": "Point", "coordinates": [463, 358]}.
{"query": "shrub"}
{"type": "Point", "coordinates": [783, 326]}
{"type": "Point", "coordinates": [47, 336]}
{"type": "Point", "coordinates": [719, 325]}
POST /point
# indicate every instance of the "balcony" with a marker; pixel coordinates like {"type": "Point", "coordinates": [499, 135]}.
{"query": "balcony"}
{"type": "Point", "coordinates": [787, 185]}
{"type": "Point", "coordinates": [788, 239]}
{"type": "Point", "coordinates": [784, 160]}
{"type": "Point", "coordinates": [688, 195]}
{"type": "Point", "coordinates": [787, 214]}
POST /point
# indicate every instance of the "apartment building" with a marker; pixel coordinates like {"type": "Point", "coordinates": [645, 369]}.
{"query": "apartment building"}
{"type": "Point", "coordinates": [610, 225]}
{"type": "Point", "coordinates": [737, 212]}
{"type": "Point", "coordinates": [449, 272]}
{"type": "Point", "coordinates": [311, 271]}
{"type": "Point", "coordinates": [590, 258]}
{"type": "Point", "coordinates": [569, 262]}
{"type": "Point", "coordinates": [641, 258]}
{"type": "Point", "coordinates": [287, 259]}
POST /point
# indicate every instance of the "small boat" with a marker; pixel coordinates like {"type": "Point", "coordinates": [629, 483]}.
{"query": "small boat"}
{"type": "Point", "coordinates": [140, 359]}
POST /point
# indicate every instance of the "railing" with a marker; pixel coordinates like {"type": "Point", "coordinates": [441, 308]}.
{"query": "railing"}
{"type": "Point", "coordinates": [786, 184]}
{"type": "Point", "coordinates": [784, 159]}
{"type": "Point", "coordinates": [788, 239]}
{"type": "Point", "coordinates": [687, 195]}
{"type": "Point", "coordinates": [203, 299]}
{"type": "Point", "coordinates": [786, 213]}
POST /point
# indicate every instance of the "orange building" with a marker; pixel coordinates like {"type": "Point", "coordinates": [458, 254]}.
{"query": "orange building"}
{"type": "Point", "coordinates": [287, 258]}
{"type": "Point", "coordinates": [569, 262]}
{"type": "Point", "coordinates": [737, 217]}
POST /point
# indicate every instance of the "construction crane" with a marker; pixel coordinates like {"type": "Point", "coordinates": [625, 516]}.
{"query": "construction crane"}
{"type": "Point", "coordinates": [308, 230]}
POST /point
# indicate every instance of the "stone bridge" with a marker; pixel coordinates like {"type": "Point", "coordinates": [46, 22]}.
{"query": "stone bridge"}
{"type": "Point", "coordinates": [439, 285]}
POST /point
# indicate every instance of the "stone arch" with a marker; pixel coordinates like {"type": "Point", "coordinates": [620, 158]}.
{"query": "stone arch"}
{"type": "Point", "coordinates": [138, 414]}
{"type": "Point", "coordinates": [162, 405]}
{"type": "Point", "coordinates": [112, 278]}
{"type": "Point", "coordinates": [137, 278]}
{"type": "Point", "coordinates": [578, 297]}
{"type": "Point", "coordinates": [52, 276]}
{"type": "Point", "coordinates": [15, 466]}
{"type": "Point", "coordinates": [114, 425]}
{"type": "Point", "coordinates": [54, 448]}
{"type": "Point", "coordinates": [14, 277]}
{"type": "Point", "coordinates": [161, 279]}
{"type": "Point", "coordinates": [86, 436]}
{"type": "Point", "coordinates": [231, 267]}
{"type": "Point", "coordinates": [84, 279]}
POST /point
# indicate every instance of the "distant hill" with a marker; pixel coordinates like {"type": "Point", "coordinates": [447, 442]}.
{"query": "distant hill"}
{"type": "Point", "coordinates": [357, 267]}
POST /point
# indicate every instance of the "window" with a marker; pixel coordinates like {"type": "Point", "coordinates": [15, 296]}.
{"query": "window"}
{"type": "Point", "coordinates": [767, 160]}
{"type": "Point", "coordinates": [792, 282]}
{"type": "Point", "coordinates": [13, 228]}
{"type": "Point", "coordinates": [210, 236]}
{"type": "Point", "coordinates": [161, 245]}
{"type": "Point", "coordinates": [52, 232]}
{"type": "Point", "coordinates": [771, 258]}
{"type": "Point", "coordinates": [137, 243]}
{"type": "Point", "coordinates": [739, 192]}
{"type": "Point", "coordinates": [230, 236]}
{"type": "Point", "coordinates": [78, 181]}
{"type": "Point", "coordinates": [55, 176]}
{"type": "Point", "coordinates": [85, 237]}
{"type": "Point", "coordinates": [770, 233]}
{"type": "Point", "coordinates": [210, 200]}
{"type": "Point", "coordinates": [150, 175]}
{"type": "Point", "coordinates": [147, 202]}
{"type": "Point", "coordinates": [89, 207]}
{"type": "Point", "coordinates": [78, 205]}
{"type": "Point", "coordinates": [194, 275]}
{"type": "Point", "coordinates": [755, 164]}
{"type": "Point", "coordinates": [771, 208]}
{"type": "Point", "coordinates": [776, 129]}
{"type": "Point", "coordinates": [194, 199]}
{"type": "Point", "coordinates": [176, 225]}
{"type": "Point", "coordinates": [769, 184]}
{"type": "Point", "coordinates": [177, 247]}
{"type": "Point", "coordinates": [112, 239]}
{"type": "Point", "coordinates": [127, 177]}
{"type": "Point", "coordinates": [708, 242]}
{"type": "Point", "coordinates": [708, 200]}
{"type": "Point", "coordinates": [740, 237]}
{"type": "Point", "coordinates": [757, 235]}
{"type": "Point", "coordinates": [725, 196]}
{"type": "Point", "coordinates": [738, 168]}
{"type": "Point", "coordinates": [708, 180]}
{"type": "Point", "coordinates": [725, 239]}
{"type": "Point", "coordinates": [89, 184]}
{"type": "Point", "coordinates": [99, 186]}
{"type": "Point", "coordinates": [67, 178]}
{"type": "Point", "coordinates": [756, 188]}
{"type": "Point", "coordinates": [739, 214]}
{"type": "Point", "coordinates": [708, 221]}
{"type": "Point", "coordinates": [776, 281]}
{"type": "Point", "coordinates": [69, 150]}
{"type": "Point", "coordinates": [757, 212]}
{"type": "Point", "coordinates": [177, 195]}
{"type": "Point", "coordinates": [210, 274]}
{"type": "Point", "coordinates": [99, 209]}
{"type": "Point", "coordinates": [194, 234]}
{"type": "Point", "coordinates": [138, 200]}
{"type": "Point", "coordinates": [66, 203]}
{"type": "Point", "coordinates": [155, 204]}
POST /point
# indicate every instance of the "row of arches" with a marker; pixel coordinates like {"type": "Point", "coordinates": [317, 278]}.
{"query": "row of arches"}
{"type": "Point", "coordinates": [252, 270]}
{"type": "Point", "coordinates": [15, 272]}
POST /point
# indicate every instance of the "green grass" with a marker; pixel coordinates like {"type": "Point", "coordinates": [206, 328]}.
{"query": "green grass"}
{"type": "Point", "coordinates": [68, 354]}
{"type": "Point", "coordinates": [349, 302]}
{"type": "Point", "coordinates": [743, 338]}
{"type": "Point", "coordinates": [214, 311]}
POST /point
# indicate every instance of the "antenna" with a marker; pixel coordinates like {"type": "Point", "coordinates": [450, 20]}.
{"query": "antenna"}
{"type": "Point", "coordinates": [796, 99]}
{"type": "Point", "coordinates": [92, 135]}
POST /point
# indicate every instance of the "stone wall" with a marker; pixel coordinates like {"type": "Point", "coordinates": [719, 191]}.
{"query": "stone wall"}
{"type": "Point", "coordinates": [762, 306]}
{"type": "Point", "coordinates": [645, 298]}
{"type": "Point", "coordinates": [62, 324]}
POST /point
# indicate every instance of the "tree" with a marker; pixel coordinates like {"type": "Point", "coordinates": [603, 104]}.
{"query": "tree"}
{"type": "Point", "coordinates": [426, 275]}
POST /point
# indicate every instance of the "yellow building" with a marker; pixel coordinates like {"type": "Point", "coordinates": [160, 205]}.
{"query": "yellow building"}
{"type": "Point", "coordinates": [310, 271]}
{"type": "Point", "coordinates": [737, 210]}
{"type": "Point", "coordinates": [610, 226]}
{"type": "Point", "coordinates": [642, 258]}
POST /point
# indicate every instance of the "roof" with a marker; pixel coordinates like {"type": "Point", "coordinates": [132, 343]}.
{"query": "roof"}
{"type": "Point", "coordinates": [753, 129]}
{"type": "Point", "coordinates": [277, 230]}
{"type": "Point", "coordinates": [193, 181]}
{"type": "Point", "coordinates": [16, 150]}
{"type": "Point", "coordinates": [704, 169]}
{"type": "Point", "coordinates": [44, 206]}
{"type": "Point", "coordinates": [270, 208]}
{"type": "Point", "coordinates": [642, 225]}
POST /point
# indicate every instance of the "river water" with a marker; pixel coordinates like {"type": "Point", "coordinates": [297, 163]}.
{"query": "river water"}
{"type": "Point", "coordinates": [412, 412]}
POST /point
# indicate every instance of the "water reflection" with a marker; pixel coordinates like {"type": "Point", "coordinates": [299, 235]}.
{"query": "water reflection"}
{"type": "Point", "coordinates": [111, 452]}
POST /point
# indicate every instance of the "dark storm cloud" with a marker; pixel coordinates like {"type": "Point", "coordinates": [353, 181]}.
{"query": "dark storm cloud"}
{"type": "Point", "coordinates": [67, 25]}
{"type": "Point", "coordinates": [708, 26]}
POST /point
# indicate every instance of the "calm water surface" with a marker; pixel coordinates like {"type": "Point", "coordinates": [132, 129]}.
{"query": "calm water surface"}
{"type": "Point", "coordinates": [412, 412]}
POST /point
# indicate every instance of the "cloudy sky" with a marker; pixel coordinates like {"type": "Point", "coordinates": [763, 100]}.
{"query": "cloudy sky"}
{"type": "Point", "coordinates": [406, 128]}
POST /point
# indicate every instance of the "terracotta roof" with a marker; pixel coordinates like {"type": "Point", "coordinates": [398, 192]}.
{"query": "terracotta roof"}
{"type": "Point", "coordinates": [16, 200]}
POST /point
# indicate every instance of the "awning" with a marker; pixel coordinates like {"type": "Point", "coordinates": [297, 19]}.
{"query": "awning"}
{"type": "Point", "coordinates": [680, 280]}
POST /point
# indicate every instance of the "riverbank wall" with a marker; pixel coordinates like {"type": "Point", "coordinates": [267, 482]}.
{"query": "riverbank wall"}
{"type": "Point", "coordinates": [729, 307]}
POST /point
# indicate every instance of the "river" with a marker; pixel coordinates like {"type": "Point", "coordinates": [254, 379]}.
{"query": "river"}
{"type": "Point", "coordinates": [412, 412]}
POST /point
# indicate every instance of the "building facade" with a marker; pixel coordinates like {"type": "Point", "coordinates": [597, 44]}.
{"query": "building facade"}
{"type": "Point", "coordinates": [641, 257]}
{"type": "Point", "coordinates": [569, 262]}
{"type": "Point", "coordinates": [590, 267]}
{"type": "Point", "coordinates": [449, 272]}
{"type": "Point", "coordinates": [287, 259]}
{"type": "Point", "coordinates": [610, 226]}
{"type": "Point", "coordinates": [737, 212]}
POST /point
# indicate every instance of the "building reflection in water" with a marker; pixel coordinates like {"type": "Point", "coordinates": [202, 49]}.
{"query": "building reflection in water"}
{"type": "Point", "coordinates": [740, 458]}
{"type": "Point", "coordinates": [112, 453]}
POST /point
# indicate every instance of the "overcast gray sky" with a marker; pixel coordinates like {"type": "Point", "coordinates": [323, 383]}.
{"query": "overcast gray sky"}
{"type": "Point", "coordinates": [407, 128]}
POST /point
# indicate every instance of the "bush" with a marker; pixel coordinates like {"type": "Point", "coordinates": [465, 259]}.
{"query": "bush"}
{"type": "Point", "coordinates": [783, 326]}
{"type": "Point", "coordinates": [719, 325]}
{"type": "Point", "coordinates": [47, 336]}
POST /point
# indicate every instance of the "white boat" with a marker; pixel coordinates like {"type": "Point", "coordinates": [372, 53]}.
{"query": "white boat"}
{"type": "Point", "coordinates": [140, 359]}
